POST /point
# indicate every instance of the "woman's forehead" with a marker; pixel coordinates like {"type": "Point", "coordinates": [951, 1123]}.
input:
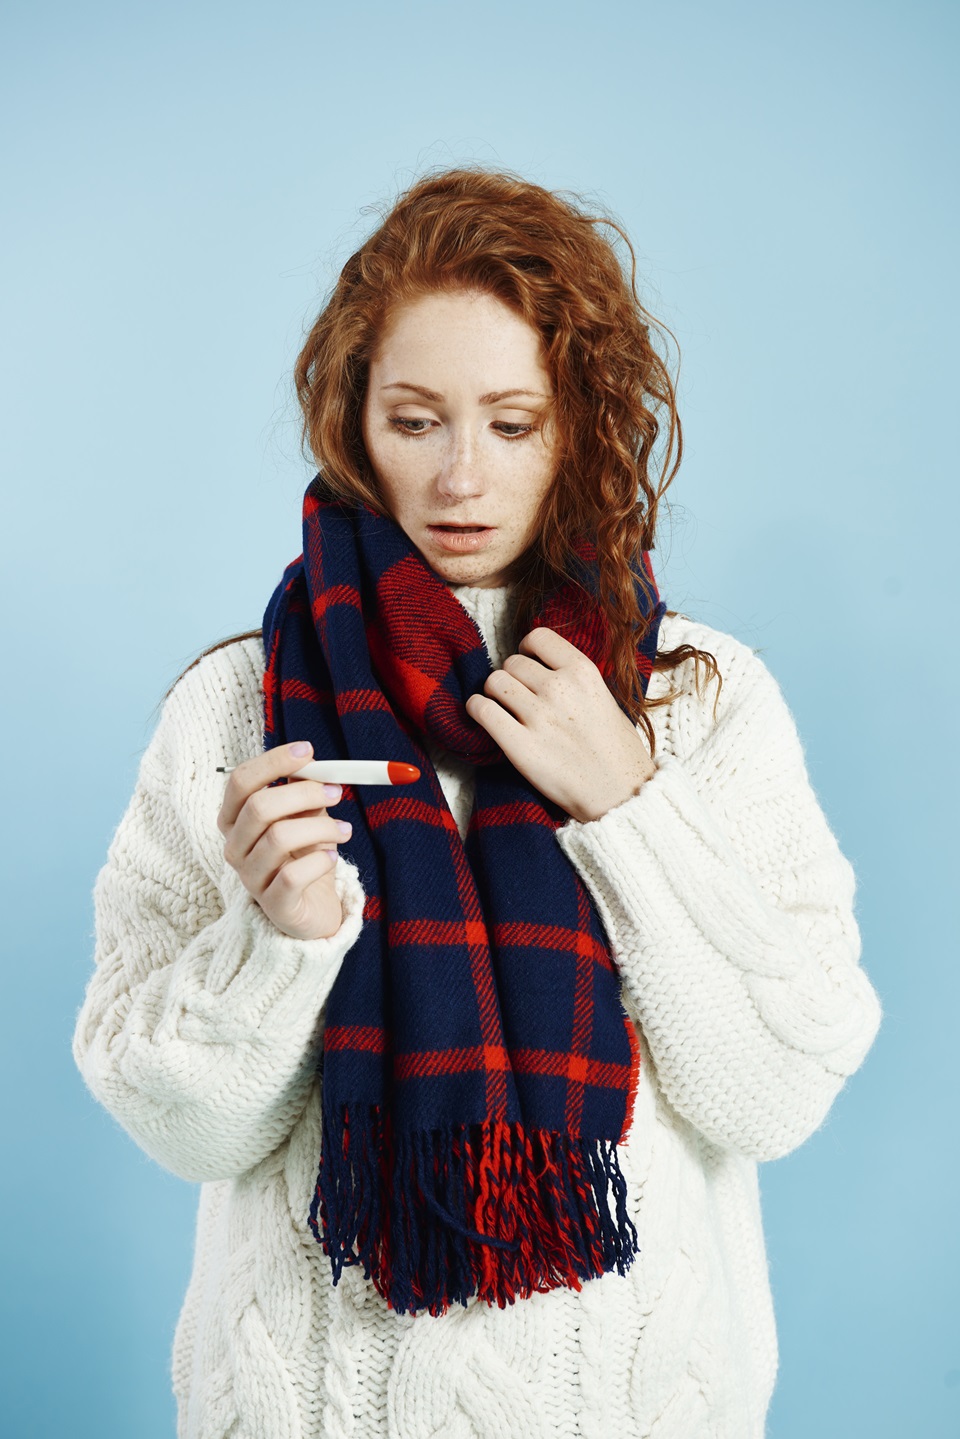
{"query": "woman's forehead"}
{"type": "Point", "coordinates": [462, 329]}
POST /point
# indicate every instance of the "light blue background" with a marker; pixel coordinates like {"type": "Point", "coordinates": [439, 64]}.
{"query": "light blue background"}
{"type": "Point", "coordinates": [181, 184]}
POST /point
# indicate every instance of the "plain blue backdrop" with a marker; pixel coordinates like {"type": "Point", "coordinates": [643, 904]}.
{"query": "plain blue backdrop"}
{"type": "Point", "coordinates": [181, 184]}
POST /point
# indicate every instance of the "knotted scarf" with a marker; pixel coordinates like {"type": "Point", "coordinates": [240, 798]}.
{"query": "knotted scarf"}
{"type": "Point", "coordinates": [478, 1069]}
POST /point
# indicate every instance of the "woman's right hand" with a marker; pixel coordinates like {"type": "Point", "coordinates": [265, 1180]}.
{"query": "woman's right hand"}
{"type": "Point", "coordinates": [282, 842]}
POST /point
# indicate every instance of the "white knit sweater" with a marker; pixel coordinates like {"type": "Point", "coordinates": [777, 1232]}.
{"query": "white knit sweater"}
{"type": "Point", "coordinates": [729, 908]}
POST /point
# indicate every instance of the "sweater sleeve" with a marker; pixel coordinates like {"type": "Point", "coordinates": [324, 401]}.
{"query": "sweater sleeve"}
{"type": "Point", "coordinates": [201, 1024]}
{"type": "Point", "coordinates": [729, 908]}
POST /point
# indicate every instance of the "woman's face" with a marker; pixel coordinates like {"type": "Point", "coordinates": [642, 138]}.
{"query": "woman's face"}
{"type": "Point", "coordinates": [452, 424]}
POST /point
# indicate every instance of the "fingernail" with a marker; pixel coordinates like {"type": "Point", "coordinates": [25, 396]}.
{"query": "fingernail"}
{"type": "Point", "coordinates": [343, 827]}
{"type": "Point", "coordinates": [333, 792]}
{"type": "Point", "coordinates": [302, 746]}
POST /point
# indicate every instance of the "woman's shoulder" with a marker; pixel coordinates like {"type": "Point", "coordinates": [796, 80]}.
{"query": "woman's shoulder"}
{"type": "Point", "coordinates": [218, 699]}
{"type": "Point", "coordinates": [733, 656]}
{"type": "Point", "coordinates": [229, 668]}
{"type": "Point", "coordinates": [211, 716]}
{"type": "Point", "coordinates": [747, 698]}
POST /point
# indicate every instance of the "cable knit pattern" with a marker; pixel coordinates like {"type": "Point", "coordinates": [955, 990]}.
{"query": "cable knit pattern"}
{"type": "Point", "coordinates": [729, 909]}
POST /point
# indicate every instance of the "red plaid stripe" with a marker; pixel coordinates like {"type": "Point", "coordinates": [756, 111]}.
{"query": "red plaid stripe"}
{"type": "Point", "coordinates": [334, 595]}
{"type": "Point", "coordinates": [362, 702]}
{"type": "Point", "coordinates": [481, 966]}
{"type": "Point", "coordinates": [551, 936]}
{"type": "Point", "coordinates": [509, 814]}
{"type": "Point", "coordinates": [436, 931]}
{"type": "Point", "coordinates": [540, 1063]}
{"type": "Point", "coordinates": [401, 806]}
{"type": "Point", "coordinates": [512, 933]}
{"type": "Point", "coordinates": [364, 1038]}
{"type": "Point", "coordinates": [582, 1018]}
{"type": "Point", "coordinates": [298, 689]}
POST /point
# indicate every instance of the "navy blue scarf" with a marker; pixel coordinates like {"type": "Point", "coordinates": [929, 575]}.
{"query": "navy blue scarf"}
{"type": "Point", "coordinates": [478, 1069]}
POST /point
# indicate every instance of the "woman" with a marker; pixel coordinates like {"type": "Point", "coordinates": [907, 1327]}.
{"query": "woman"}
{"type": "Point", "coordinates": [476, 1072]}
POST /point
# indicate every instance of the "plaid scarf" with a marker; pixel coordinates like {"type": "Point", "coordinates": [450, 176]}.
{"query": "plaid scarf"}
{"type": "Point", "coordinates": [478, 1068]}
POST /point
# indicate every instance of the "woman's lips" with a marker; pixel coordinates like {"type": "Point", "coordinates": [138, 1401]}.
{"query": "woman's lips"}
{"type": "Point", "coordinates": [461, 539]}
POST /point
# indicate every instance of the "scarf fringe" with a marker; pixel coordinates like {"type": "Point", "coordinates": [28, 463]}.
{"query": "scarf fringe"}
{"type": "Point", "coordinates": [490, 1210]}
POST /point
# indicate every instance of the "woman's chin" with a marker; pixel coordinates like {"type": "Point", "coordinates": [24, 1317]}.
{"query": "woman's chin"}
{"type": "Point", "coordinates": [476, 575]}
{"type": "Point", "coordinates": [475, 570]}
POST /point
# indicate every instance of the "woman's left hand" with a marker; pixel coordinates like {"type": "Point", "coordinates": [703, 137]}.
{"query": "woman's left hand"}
{"type": "Point", "coordinates": [550, 711]}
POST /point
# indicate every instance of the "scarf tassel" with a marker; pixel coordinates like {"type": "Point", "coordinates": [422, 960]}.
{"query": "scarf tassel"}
{"type": "Point", "coordinates": [490, 1210]}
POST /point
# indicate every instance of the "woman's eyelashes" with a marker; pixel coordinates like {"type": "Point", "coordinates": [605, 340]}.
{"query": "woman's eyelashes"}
{"type": "Point", "coordinates": [507, 431]}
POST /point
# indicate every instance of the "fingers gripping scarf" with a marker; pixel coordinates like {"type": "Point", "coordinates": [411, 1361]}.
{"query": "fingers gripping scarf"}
{"type": "Point", "coordinates": [478, 1068]}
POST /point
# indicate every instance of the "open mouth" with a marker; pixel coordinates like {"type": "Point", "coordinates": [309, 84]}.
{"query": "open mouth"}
{"type": "Point", "coordinates": [462, 539]}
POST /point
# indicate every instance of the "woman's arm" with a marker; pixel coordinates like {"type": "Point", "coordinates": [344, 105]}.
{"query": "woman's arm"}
{"type": "Point", "coordinates": [200, 1028]}
{"type": "Point", "coordinates": [729, 907]}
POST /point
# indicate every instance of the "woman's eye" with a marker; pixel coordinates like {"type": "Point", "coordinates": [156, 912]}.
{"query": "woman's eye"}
{"type": "Point", "coordinates": [406, 426]}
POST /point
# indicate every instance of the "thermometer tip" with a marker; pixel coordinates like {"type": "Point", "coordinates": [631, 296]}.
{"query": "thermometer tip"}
{"type": "Point", "coordinates": [402, 773]}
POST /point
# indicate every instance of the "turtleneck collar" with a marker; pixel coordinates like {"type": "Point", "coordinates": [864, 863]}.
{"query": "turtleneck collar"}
{"type": "Point", "coordinates": [492, 611]}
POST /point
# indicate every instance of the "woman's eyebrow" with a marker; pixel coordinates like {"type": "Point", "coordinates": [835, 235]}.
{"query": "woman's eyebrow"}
{"type": "Point", "coordinates": [493, 397]}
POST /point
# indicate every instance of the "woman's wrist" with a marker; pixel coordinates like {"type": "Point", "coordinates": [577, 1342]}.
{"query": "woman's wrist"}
{"type": "Point", "coordinates": [609, 797]}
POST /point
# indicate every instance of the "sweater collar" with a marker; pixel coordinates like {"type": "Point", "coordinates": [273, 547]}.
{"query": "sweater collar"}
{"type": "Point", "coordinates": [492, 611]}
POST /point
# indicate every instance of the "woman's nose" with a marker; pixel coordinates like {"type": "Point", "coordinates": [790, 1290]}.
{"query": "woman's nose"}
{"type": "Point", "coordinates": [461, 472]}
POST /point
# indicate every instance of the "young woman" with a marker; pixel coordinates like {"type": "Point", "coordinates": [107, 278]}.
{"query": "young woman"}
{"type": "Point", "coordinates": [476, 1070]}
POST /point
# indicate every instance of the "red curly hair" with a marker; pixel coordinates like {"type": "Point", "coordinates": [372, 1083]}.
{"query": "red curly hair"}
{"type": "Point", "coordinates": [556, 266]}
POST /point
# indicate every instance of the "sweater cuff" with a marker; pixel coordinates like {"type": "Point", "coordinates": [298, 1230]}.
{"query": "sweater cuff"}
{"type": "Point", "coordinates": [664, 847]}
{"type": "Point", "coordinates": [258, 962]}
{"type": "Point", "coordinates": [635, 816]}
